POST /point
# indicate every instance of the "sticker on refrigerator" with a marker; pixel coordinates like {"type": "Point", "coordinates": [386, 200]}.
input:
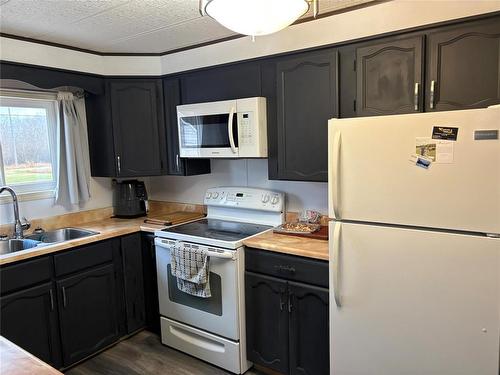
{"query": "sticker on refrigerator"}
{"type": "Point", "coordinates": [437, 151]}
{"type": "Point", "coordinates": [420, 161]}
{"type": "Point", "coordinates": [445, 133]}
{"type": "Point", "coordinates": [444, 152]}
{"type": "Point", "coordinates": [426, 147]}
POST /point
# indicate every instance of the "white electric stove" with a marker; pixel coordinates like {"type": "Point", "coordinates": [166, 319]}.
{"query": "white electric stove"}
{"type": "Point", "coordinates": [213, 329]}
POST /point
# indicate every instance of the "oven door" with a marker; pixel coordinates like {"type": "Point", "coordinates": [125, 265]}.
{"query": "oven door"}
{"type": "Point", "coordinates": [208, 130]}
{"type": "Point", "coordinates": [217, 314]}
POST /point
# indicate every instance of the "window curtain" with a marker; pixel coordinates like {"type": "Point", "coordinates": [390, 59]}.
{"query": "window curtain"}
{"type": "Point", "coordinates": [2, 177]}
{"type": "Point", "coordinates": [73, 177]}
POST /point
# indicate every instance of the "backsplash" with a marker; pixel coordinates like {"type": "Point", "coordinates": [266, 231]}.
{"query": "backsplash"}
{"type": "Point", "coordinates": [239, 172]}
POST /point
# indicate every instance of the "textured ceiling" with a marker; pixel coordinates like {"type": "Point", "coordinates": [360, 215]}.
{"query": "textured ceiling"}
{"type": "Point", "coordinates": [120, 26]}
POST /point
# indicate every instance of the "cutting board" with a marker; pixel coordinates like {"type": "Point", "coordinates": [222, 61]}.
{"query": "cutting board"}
{"type": "Point", "coordinates": [321, 234]}
{"type": "Point", "coordinates": [174, 218]}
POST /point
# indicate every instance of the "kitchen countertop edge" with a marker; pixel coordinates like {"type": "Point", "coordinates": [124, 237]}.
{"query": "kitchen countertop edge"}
{"type": "Point", "coordinates": [290, 245]}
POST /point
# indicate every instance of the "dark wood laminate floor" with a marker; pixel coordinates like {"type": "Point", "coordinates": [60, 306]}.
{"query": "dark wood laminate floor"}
{"type": "Point", "coordinates": [143, 354]}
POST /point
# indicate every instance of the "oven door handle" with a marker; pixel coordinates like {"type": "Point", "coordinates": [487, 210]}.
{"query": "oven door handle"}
{"type": "Point", "coordinates": [222, 255]}
{"type": "Point", "coordinates": [226, 254]}
{"type": "Point", "coordinates": [230, 130]}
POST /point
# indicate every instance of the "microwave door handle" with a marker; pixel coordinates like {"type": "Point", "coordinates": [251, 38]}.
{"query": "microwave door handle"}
{"type": "Point", "coordinates": [230, 130]}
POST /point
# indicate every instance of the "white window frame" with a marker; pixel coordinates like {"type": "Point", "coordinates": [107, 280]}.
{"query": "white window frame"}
{"type": "Point", "coordinates": [30, 99]}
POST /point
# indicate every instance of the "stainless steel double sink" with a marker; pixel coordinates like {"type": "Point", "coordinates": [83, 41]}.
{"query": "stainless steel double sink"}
{"type": "Point", "coordinates": [43, 239]}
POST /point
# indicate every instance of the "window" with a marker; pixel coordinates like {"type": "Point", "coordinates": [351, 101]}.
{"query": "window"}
{"type": "Point", "coordinates": [28, 147]}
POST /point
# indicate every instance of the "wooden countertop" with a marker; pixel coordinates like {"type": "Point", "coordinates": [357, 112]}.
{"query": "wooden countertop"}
{"type": "Point", "coordinates": [293, 245]}
{"type": "Point", "coordinates": [107, 228]}
{"type": "Point", "coordinates": [17, 361]}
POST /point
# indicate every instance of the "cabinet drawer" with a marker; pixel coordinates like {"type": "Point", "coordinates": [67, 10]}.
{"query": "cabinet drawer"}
{"type": "Point", "coordinates": [288, 267]}
{"type": "Point", "coordinates": [84, 257]}
{"type": "Point", "coordinates": [24, 274]}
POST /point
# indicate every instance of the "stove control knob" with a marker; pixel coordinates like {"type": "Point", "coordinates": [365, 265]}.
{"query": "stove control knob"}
{"type": "Point", "coordinates": [275, 199]}
{"type": "Point", "coordinates": [215, 195]}
{"type": "Point", "coordinates": [209, 195]}
{"type": "Point", "coordinates": [265, 198]}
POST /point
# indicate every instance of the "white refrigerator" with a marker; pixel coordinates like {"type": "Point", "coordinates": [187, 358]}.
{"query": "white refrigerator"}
{"type": "Point", "coordinates": [414, 244]}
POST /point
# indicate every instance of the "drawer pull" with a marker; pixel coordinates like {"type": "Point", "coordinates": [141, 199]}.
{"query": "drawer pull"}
{"type": "Point", "coordinates": [285, 269]}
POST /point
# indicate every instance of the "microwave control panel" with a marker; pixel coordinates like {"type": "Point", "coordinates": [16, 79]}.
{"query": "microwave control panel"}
{"type": "Point", "coordinates": [245, 133]}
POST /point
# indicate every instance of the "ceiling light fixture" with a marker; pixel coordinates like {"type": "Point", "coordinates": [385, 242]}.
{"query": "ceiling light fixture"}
{"type": "Point", "coordinates": [256, 17]}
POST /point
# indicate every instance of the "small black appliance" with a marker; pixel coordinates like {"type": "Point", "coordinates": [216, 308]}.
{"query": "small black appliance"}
{"type": "Point", "coordinates": [130, 198]}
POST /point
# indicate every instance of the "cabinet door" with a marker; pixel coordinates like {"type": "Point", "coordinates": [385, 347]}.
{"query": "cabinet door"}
{"type": "Point", "coordinates": [100, 134]}
{"type": "Point", "coordinates": [267, 321]}
{"type": "Point", "coordinates": [133, 282]}
{"type": "Point", "coordinates": [464, 66]}
{"type": "Point", "coordinates": [138, 129]}
{"type": "Point", "coordinates": [309, 341]}
{"type": "Point", "coordinates": [389, 77]}
{"type": "Point", "coordinates": [176, 165]}
{"type": "Point", "coordinates": [306, 100]}
{"type": "Point", "coordinates": [87, 312]}
{"type": "Point", "coordinates": [29, 319]}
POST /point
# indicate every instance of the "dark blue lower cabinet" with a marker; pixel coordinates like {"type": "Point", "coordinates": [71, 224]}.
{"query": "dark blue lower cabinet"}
{"type": "Point", "coordinates": [267, 321]}
{"type": "Point", "coordinates": [287, 322]}
{"type": "Point", "coordinates": [87, 312]}
{"type": "Point", "coordinates": [308, 329]}
{"type": "Point", "coordinates": [29, 319]}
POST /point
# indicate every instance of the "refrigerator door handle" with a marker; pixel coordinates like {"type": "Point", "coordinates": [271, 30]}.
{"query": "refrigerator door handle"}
{"type": "Point", "coordinates": [335, 175]}
{"type": "Point", "coordinates": [335, 243]}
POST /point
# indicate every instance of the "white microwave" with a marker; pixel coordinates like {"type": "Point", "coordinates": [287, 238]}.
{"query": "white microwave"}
{"type": "Point", "coordinates": [225, 129]}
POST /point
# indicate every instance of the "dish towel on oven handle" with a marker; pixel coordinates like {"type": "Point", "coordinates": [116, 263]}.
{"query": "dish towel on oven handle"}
{"type": "Point", "coordinates": [190, 266]}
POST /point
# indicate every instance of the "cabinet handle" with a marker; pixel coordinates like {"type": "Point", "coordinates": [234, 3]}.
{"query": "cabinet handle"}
{"type": "Point", "coordinates": [282, 303]}
{"type": "Point", "coordinates": [415, 98]}
{"type": "Point", "coordinates": [51, 300]}
{"type": "Point", "coordinates": [433, 89]}
{"type": "Point", "coordinates": [177, 162]}
{"type": "Point", "coordinates": [64, 297]}
{"type": "Point", "coordinates": [118, 162]}
{"type": "Point", "coordinates": [290, 305]}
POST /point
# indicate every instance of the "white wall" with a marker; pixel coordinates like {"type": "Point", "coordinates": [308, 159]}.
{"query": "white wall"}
{"type": "Point", "coordinates": [101, 196]}
{"type": "Point", "coordinates": [242, 172]}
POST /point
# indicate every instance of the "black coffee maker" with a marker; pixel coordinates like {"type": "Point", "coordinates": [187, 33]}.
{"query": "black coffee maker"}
{"type": "Point", "coordinates": [130, 199]}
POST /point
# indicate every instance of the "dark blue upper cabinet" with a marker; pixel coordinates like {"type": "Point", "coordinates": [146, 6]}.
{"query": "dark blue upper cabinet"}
{"type": "Point", "coordinates": [221, 83]}
{"type": "Point", "coordinates": [127, 129]}
{"type": "Point", "coordinates": [390, 76]}
{"type": "Point", "coordinates": [138, 126]}
{"type": "Point", "coordinates": [176, 165]}
{"type": "Point", "coordinates": [306, 98]}
{"type": "Point", "coordinates": [463, 66]}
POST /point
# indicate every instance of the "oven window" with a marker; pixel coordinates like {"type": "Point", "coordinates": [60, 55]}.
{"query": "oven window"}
{"type": "Point", "coordinates": [207, 131]}
{"type": "Point", "coordinates": [212, 305]}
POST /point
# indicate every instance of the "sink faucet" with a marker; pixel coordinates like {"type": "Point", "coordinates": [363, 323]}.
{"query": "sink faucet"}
{"type": "Point", "coordinates": [18, 226]}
